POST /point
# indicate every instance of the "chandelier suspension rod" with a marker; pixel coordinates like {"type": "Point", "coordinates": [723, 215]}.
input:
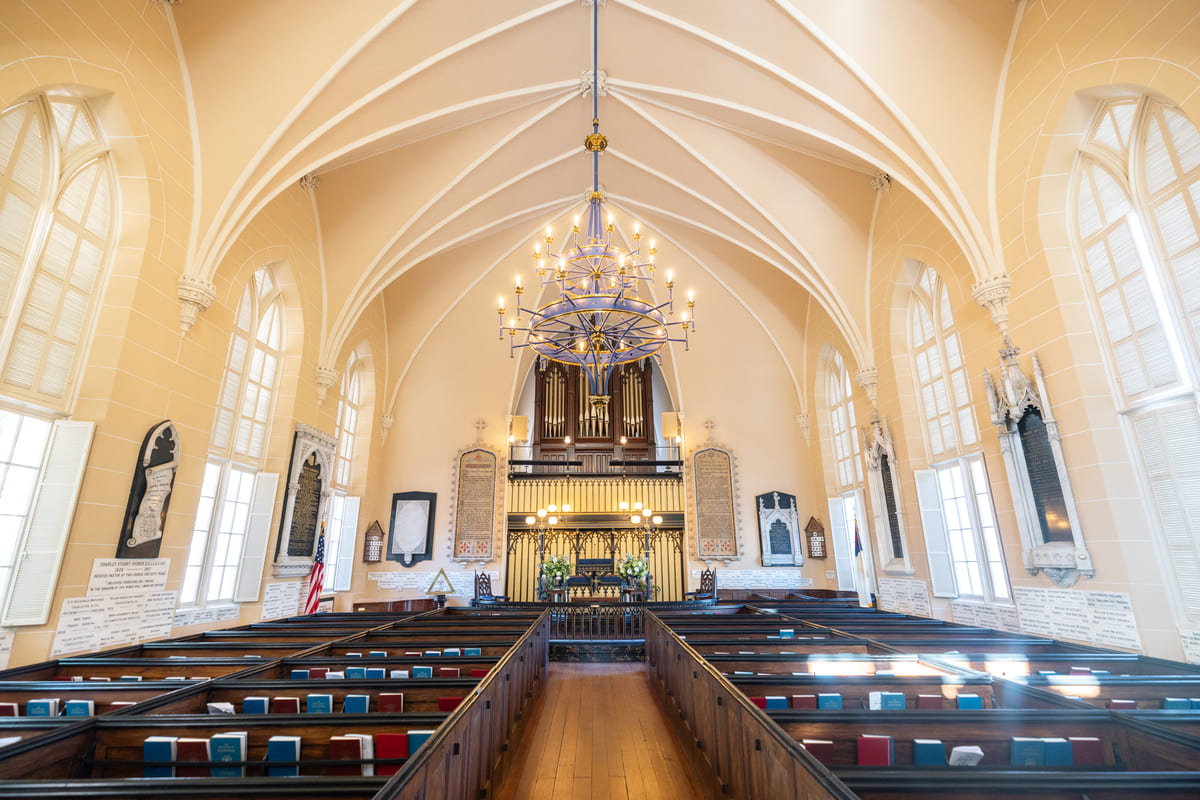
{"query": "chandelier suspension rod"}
{"type": "Point", "coordinates": [595, 94]}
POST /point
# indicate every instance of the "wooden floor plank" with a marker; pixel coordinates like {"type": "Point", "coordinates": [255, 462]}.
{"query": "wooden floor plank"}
{"type": "Point", "coordinates": [597, 732]}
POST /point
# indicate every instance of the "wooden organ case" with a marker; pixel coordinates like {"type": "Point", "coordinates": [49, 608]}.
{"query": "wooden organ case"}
{"type": "Point", "coordinates": [567, 427]}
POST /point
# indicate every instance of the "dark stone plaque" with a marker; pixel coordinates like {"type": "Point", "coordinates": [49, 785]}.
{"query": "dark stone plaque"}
{"type": "Point", "coordinates": [889, 497]}
{"type": "Point", "coordinates": [1043, 479]}
{"type": "Point", "coordinates": [150, 493]}
{"type": "Point", "coordinates": [306, 510]}
{"type": "Point", "coordinates": [781, 538]}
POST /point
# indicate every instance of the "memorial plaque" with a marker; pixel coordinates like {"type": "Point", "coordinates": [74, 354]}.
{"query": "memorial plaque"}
{"type": "Point", "coordinates": [475, 511]}
{"type": "Point", "coordinates": [410, 535]}
{"type": "Point", "coordinates": [306, 510]}
{"type": "Point", "coordinates": [781, 537]}
{"type": "Point", "coordinates": [779, 530]}
{"type": "Point", "coordinates": [1043, 479]}
{"type": "Point", "coordinates": [150, 493]}
{"type": "Point", "coordinates": [715, 527]}
{"type": "Point", "coordinates": [889, 497]}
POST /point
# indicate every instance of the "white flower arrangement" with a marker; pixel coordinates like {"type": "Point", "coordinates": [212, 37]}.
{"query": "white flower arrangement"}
{"type": "Point", "coordinates": [556, 569]}
{"type": "Point", "coordinates": [633, 570]}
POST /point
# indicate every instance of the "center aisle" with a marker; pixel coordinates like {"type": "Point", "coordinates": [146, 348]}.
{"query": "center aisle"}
{"type": "Point", "coordinates": [597, 732]}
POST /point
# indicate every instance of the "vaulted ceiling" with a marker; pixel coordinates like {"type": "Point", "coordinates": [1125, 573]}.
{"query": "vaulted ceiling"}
{"type": "Point", "coordinates": [448, 133]}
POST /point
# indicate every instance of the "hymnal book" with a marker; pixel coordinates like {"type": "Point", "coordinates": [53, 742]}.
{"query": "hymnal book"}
{"type": "Point", "coordinates": [192, 750]}
{"type": "Point", "coordinates": [99, 678]}
{"type": "Point", "coordinates": [256, 705]}
{"type": "Point", "coordinates": [473, 651]}
{"type": "Point", "coordinates": [874, 750]}
{"type": "Point", "coordinates": [416, 653]}
{"type": "Point", "coordinates": [1046, 672]}
{"type": "Point", "coordinates": [13, 710]}
{"type": "Point", "coordinates": [355, 673]}
{"type": "Point", "coordinates": [283, 748]}
{"type": "Point", "coordinates": [335, 675]}
{"type": "Point", "coordinates": [378, 654]}
{"type": "Point", "coordinates": [930, 702]}
{"type": "Point", "coordinates": [228, 747]}
{"type": "Point", "coordinates": [433, 652]}
{"type": "Point", "coordinates": [79, 708]}
{"type": "Point", "coordinates": [159, 748]}
{"type": "Point", "coordinates": [821, 749]}
{"type": "Point", "coordinates": [966, 755]}
{"type": "Point", "coordinates": [318, 704]}
{"type": "Point", "coordinates": [285, 705]}
{"type": "Point", "coordinates": [353, 655]}
{"type": "Point", "coordinates": [787, 633]}
{"type": "Point", "coordinates": [42, 707]}
{"type": "Point", "coordinates": [376, 673]}
{"type": "Point", "coordinates": [220, 708]}
{"type": "Point", "coordinates": [356, 704]}
{"type": "Point", "coordinates": [929, 752]}
{"type": "Point", "coordinates": [745, 652]}
{"type": "Point", "coordinates": [804, 701]}
{"type": "Point", "coordinates": [1028, 752]}
{"type": "Point", "coordinates": [298, 674]}
{"type": "Point", "coordinates": [345, 748]}
{"type": "Point", "coordinates": [422, 672]}
{"type": "Point", "coordinates": [398, 673]}
{"type": "Point", "coordinates": [390, 745]}
{"type": "Point", "coordinates": [1195, 701]}
{"type": "Point", "coordinates": [776, 701]}
{"type": "Point", "coordinates": [391, 702]}
{"type": "Point", "coordinates": [829, 700]}
{"type": "Point", "coordinates": [1086, 751]}
{"type": "Point", "coordinates": [115, 704]}
{"type": "Point", "coordinates": [1058, 753]}
{"type": "Point", "coordinates": [175, 678]}
{"type": "Point", "coordinates": [416, 738]}
{"type": "Point", "coordinates": [761, 702]}
{"type": "Point", "coordinates": [885, 673]}
{"type": "Point", "coordinates": [1081, 670]}
{"type": "Point", "coordinates": [447, 672]}
{"type": "Point", "coordinates": [131, 677]}
{"type": "Point", "coordinates": [317, 672]}
{"type": "Point", "coordinates": [967, 701]}
{"type": "Point", "coordinates": [452, 651]}
{"type": "Point", "coordinates": [448, 703]}
{"type": "Point", "coordinates": [1176, 703]}
{"type": "Point", "coordinates": [368, 751]}
{"type": "Point", "coordinates": [1122, 705]}
{"type": "Point", "coordinates": [478, 672]}
{"type": "Point", "coordinates": [1100, 673]}
{"type": "Point", "coordinates": [892, 701]}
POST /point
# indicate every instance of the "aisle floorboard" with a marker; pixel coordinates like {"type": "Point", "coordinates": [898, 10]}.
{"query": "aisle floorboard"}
{"type": "Point", "coordinates": [598, 734]}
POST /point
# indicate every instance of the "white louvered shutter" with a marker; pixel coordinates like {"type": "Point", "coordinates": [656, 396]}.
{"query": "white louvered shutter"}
{"type": "Point", "coordinates": [1169, 439]}
{"type": "Point", "coordinates": [258, 533]}
{"type": "Point", "coordinates": [933, 524]}
{"type": "Point", "coordinates": [346, 549]}
{"type": "Point", "coordinates": [840, 539]}
{"type": "Point", "coordinates": [49, 524]}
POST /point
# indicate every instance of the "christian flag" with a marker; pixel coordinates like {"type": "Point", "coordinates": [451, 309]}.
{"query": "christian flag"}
{"type": "Point", "coordinates": [862, 563]}
{"type": "Point", "coordinates": [316, 578]}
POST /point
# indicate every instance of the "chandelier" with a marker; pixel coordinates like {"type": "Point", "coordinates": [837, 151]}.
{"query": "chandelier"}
{"type": "Point", "coordinates": [599, 311]}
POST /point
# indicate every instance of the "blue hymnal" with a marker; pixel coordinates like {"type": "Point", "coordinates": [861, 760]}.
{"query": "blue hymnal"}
{"type": "Point", "coordinates": [1058, 753]}
{"type": "Point", "coordinates": [1046, 672]}
{"type": "Point", "coordinates": [1028, 752]}
{"type": "Point", "coordinates": [283, 748]}
{"type": "Point", "coordinates": [1176, 703]}
{"type": "Point", "coordinates": [433, 652]}
{"type": "Point", "coordinates": [318, 704]}
{"type": "Point", "coordinates": [892, 700]}
{"type": "Point", "coordinates": [378, 654]}
{"type": "Point", "coordinates": [1195, 702]}
{"type": "Point", "coordinates": [376, 672]}
{"type": "Point", "coordinates": [787, 633]}
{"type": "Point", "coordinates": [353, 655]}
{"type": "Point", "coordinates": [159, 748]}
{"type": "Point", "coordinates": [478, 651]}
{"type": "Point", "coordinates": [829, 700]}
{"type": "Point", "coordinates": [969, 701]}
{"type": "Point", "coordinates": [416, 738]}
{"type": "Point", "coordinates": [255, 705]}
{"type": "Point", "coordinates": [299, 674]}
{"type": "Point", "coordinates": [355, 672]}
{"type": "Point", "coordinates": [452, 651]}
{"type": "Point", "coordinates": [79, 708]}
{"type": "Point", "coordinates": [422, 672]}
{"type": "Point", "coordinates": [929, 752]}
{"type": "Point", "coordinates": [227, 747]}
{"type": "Point", "coordinates": [776, 701]}
{"type": "Point", "coordinates": [42, 707]}
{"type": "Point", "coordinates": [357, 704]}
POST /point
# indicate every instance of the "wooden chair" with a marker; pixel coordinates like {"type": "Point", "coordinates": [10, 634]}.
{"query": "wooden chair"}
{"type": "Point", "coordinates": [708, 587]}
{"type": "Point", "coordinates": [483, 589]}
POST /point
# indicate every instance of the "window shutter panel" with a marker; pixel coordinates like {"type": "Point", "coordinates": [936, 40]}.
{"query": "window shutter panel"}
{"type": "Point", "coordinates": [346, 550]}
{"type": "Point", "coordinates": [258, 531]}
{"type": "Point", "coordinates": [36, 576]}
{"type": "Point", "coordinates": [937, 546]}
{"type": "Point", "coordinates": [842, 558]}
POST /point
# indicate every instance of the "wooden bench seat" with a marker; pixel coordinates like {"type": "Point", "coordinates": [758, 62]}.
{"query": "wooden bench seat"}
{"type": "Point", "coordinates": [856, 689]}
{"type": "Point", "coordinates": [870, 783]}
{"type": "Point", "coordinates": [420, 694]}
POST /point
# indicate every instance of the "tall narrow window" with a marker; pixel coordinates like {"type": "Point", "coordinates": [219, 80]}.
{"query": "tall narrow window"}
{"type": "Point", "coordinates": [846, 455]}
{"type": "Point", "coordinates": [233, 487]}
{"type": "Point", "coordinates": [846, 509]}
{"type": "Point", "coordinates": [343, 509]}
{"type": "Point", "coordinates": [1136, 201]}
{"type": "Point", "coordinates": [957, 513]}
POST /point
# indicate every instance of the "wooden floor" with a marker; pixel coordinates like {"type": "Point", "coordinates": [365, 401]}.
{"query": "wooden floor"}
{"type": "Point", "coordinates": [597, 732]}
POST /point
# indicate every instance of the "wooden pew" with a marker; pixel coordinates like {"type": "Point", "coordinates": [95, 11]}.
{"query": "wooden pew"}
{"type": "Point", "coordinates": [315, 787]}
{"type": "Point", "coordinates": [855, 690]}
{"type": "Point", "coordinates": [1007, 664]}
{"type": "Point", "coordinates": [102, 693]}
{"type": "Point", "coordinates": [1147, 691]}
{"type": "Point", "coordinates": [872, 783]}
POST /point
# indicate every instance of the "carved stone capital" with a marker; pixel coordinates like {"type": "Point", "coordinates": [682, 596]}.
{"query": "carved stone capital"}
{"type": "Point", "coordinates": [309, 182]}
{"type": "Point", "coordinates": [868, 379]}
{"type": "Point", "coordinates": [805, 423]}
{"type": "Point", "coordinates": [992, 293]}
{"type": "Point", "coordinates": [195, 296]}
{"type": "Point", "coordinates": [326, 378]}
{"type": "Point", "coordinates": [881, 181]}
{"type": "Point", "coordinates": [585, 83]}
{"type": "Point", "coordinates": [385, 424]}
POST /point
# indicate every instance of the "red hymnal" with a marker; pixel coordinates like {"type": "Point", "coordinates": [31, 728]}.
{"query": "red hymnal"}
{"type": "Point", "coordinates": [391, 702]}
{"type": "Point", "coordinates": [929, 701]}
{"type": "Point", "coordinates": [9, 710]}
{"type": "Point", "coordinates": [1122, 705]}
{"type": "Point", "coordinates": [761, 702]}
{"type": "Point", "coordinates": [478, 672]}
{"type": "Point", "coordinates": [285, 705]}
{"type": "Point", "coordinates": [345, 748]}
{"type": "Point", "coordinates": [448, 703]}
{"type": "Point", "coordinates": [390, 745]}
{"type": "Point", "coordinates": [448, 672]}
{"type": "Point", "coordinates": [192, 750]}
{"type": "Point", "coordinates": [804, 701]}
{"type": "Point", "coordinates": [317, 672]}
{"type": "Point", "coordinates": [874, 750]}
{"type": "Point", "coordinates": [821, 749]}
{"type": "Point", "coordinates": [1087, 751]}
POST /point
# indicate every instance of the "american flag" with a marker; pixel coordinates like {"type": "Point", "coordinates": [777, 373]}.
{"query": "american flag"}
{"type": "Point", "coordinates": [317, 577]}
